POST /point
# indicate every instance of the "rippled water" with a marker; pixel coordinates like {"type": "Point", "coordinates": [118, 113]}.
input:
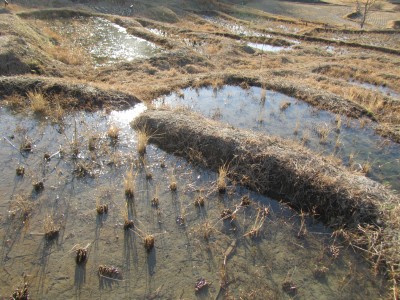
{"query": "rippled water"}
{"type": "Point", "coordinates": [106, 42]}
{"type": "Point", "coordinates": [354, 142]}
{"type": "Point", "coordinates": [292, 255]}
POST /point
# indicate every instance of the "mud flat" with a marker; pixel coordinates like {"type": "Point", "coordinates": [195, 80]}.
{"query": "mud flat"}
{"type": "Point", "coordinates": [362, 210]}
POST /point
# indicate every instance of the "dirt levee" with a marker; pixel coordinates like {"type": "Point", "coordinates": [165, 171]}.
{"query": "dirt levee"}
{"type": "Point", "coordinates": [284, 170]}
{"type": "Point", "coordinates": [88, 95]}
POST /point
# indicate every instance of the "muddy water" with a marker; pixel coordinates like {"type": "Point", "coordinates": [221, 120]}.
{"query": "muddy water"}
{"type": "Point", "coordinates": [354, 142]}
{"type": "Point", "coordinates": [288, 248]}
{"type": "Point", "coordinates": [105, 41]}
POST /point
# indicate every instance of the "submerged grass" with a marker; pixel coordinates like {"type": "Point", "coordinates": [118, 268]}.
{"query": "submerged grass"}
{"type": "Point", "coordinates": [221, 180]}
{"type": "Point", "coordinates": [309, 182]}
{"type": "Point", "coordinates": [129, 184]}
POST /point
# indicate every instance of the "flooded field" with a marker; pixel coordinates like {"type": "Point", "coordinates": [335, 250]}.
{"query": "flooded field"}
{"type": "Point", "coordinates": [377, 88]}
{"type": "Point", "coordinates": [352, 141]}
{"type": "Point", "coordinates": [373, 39]}
{"type": "Point", "coordinates": [106, 42]}
{"type": "Point", "coordinates": [238, 244]}
{"type": "Point", "coordinates": [266, 47]}
{"type": "Point", "coordinates": [243, 30]}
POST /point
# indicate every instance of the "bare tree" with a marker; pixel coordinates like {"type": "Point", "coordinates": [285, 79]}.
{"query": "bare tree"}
{"type": "Point", "coordinates": [364, 9]}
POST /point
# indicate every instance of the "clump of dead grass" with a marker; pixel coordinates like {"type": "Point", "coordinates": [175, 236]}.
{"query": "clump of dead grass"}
{"type": "Point", "coordinates": [113, 133]}
{"type": "Point", "coordinates": [129, 184]}
{"type": "Point", "coordinates": [221, 180]}
{"type": "Point", "coordinates": [51, 231]}
{"type": "Point", "coordinates": [142, 140]}
{"type": "Point", "coordinates": [38, 103]}
{"type": "Point", "coordinates": [15, 102]}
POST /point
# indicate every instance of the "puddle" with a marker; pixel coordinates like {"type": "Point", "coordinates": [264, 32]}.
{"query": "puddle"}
{"type": "Point", "coordinates": [377, 88]}
{"type": "Point", "coordinates": [289, 248]}
{"type": "Point", "coordinates": [243, 30]}
{"type": "Point", "coordinates": [107, 42]}
{"type": "Point", "coordinates": [354, 142]}
{"type": "Point", "coordinates": [267, 48]}
{"type": "Point", "coordinates": [235, 28]}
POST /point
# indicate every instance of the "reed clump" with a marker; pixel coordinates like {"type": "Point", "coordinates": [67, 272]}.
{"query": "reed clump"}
{"type": "Point", "coordinates": [20, 171]}
{"type": "Point", "coordinates": [173, 185]}
{"type": "Point", "coordinates": [142, 140]}
{"type": "Point", "coordinates": [149, 242]}
{"type": "Point", "coordinates": [128, 223]}
{"type": "Point", "coordinates": [81, 253]}
{"type": "Point", "coordinates": [129, 184]}
{"type": "Point", "coordinates": [113, 133]}
{"type": "Point", "coordinates": [21, 293]}
{"type": "Point", "coordinates": [51, 230]}
{"type": "Point", "coordinates": [38, 103]}
{"type": "Point", "coordinates": [221, 180]}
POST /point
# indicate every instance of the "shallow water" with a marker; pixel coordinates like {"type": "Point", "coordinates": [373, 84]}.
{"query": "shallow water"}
{"type": "Point", "coordinates": [354, 142]}
{"type": "Point", "coordinates": [378, 88]}
{"type": "Point", "coordinates": [106, 42]}
{"type": "Point", "coordinates": [266, 47]}
{"type": "Point", "coordinates": [288, 248]}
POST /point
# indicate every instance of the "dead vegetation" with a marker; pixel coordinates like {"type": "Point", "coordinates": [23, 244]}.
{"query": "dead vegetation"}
{"type": "Point", "coordinates": [51, 230]}
{"type": "Point", "coordinates": [286, 170]}
{"type": "Point", "coordinates": [129, 184]}
{"type": "Point", "coordinates": [204, 54]}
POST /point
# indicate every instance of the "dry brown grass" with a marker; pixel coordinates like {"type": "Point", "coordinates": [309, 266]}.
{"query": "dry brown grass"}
{"type": "Point", "coordinates": [15, 102]}
{"type": "Point", "coordinates": [113, 132]}
{"type": "Point", "coordinates": [51, 230]}
{"type": "Point", "coordinates": [340, 197]}
{"type": "Point", "coordinates": [129, 184]}
{"type": "Point", "coordinates": [68, 55]}
{"type": "Point", "coordinates": [221, 180]}
{"type": "Point", "coordinates": [38, 103]}
{"type": "Point", "coordinates": [142, 140]}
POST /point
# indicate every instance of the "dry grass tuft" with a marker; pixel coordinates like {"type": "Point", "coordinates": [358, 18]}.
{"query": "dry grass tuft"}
{"type": "Point", "coordinates": [323, 133]}
{"type": "Point", "coordinates": [142, 140]}
{"type": "Point", "coordinates": [51, 231]}
{"type": "Point", "coordinates": [366, 167]}
{"type": "Point", "coordinates": [221, 181]}
{"type": "Point", "coordinates": [258, 223]}
{"type": "Point", "coordinates": [128, 223]}
{"type": "Point", "coordinates": [15, 102]}
{"type": "Point", "coordinates": [149, 241]}
{"type": "Point", "coordinates": [26, 144]}
{"type": "Point", "coordinates": [38, 103]}
{"type": "Point", "coordinates": [113, 132]}
{"type": "Point", "coordinates": [21, 207]}
{"type": "Point", "coordinates": [284, 106]}
{"type": "Point", "coordinates": [173, 186]}
{"type": "Point", "coordinates": [101, 208]}
{"type": "Point", "coordinates": [129, 184]}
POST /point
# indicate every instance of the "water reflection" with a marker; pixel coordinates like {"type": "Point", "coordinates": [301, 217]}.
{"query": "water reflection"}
{"type": "Point", "coordinates": [354, 142]}
{"type": "Point", "coordinates": [253, 254]}
{"type": "Point", "coordinates": [107, 42]}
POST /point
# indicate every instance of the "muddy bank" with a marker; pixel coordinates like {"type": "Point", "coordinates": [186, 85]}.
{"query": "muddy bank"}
{"type": "Point", "coordinates": [287, 171]}
{"type": "Point", "coordinates": [89, 97]}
